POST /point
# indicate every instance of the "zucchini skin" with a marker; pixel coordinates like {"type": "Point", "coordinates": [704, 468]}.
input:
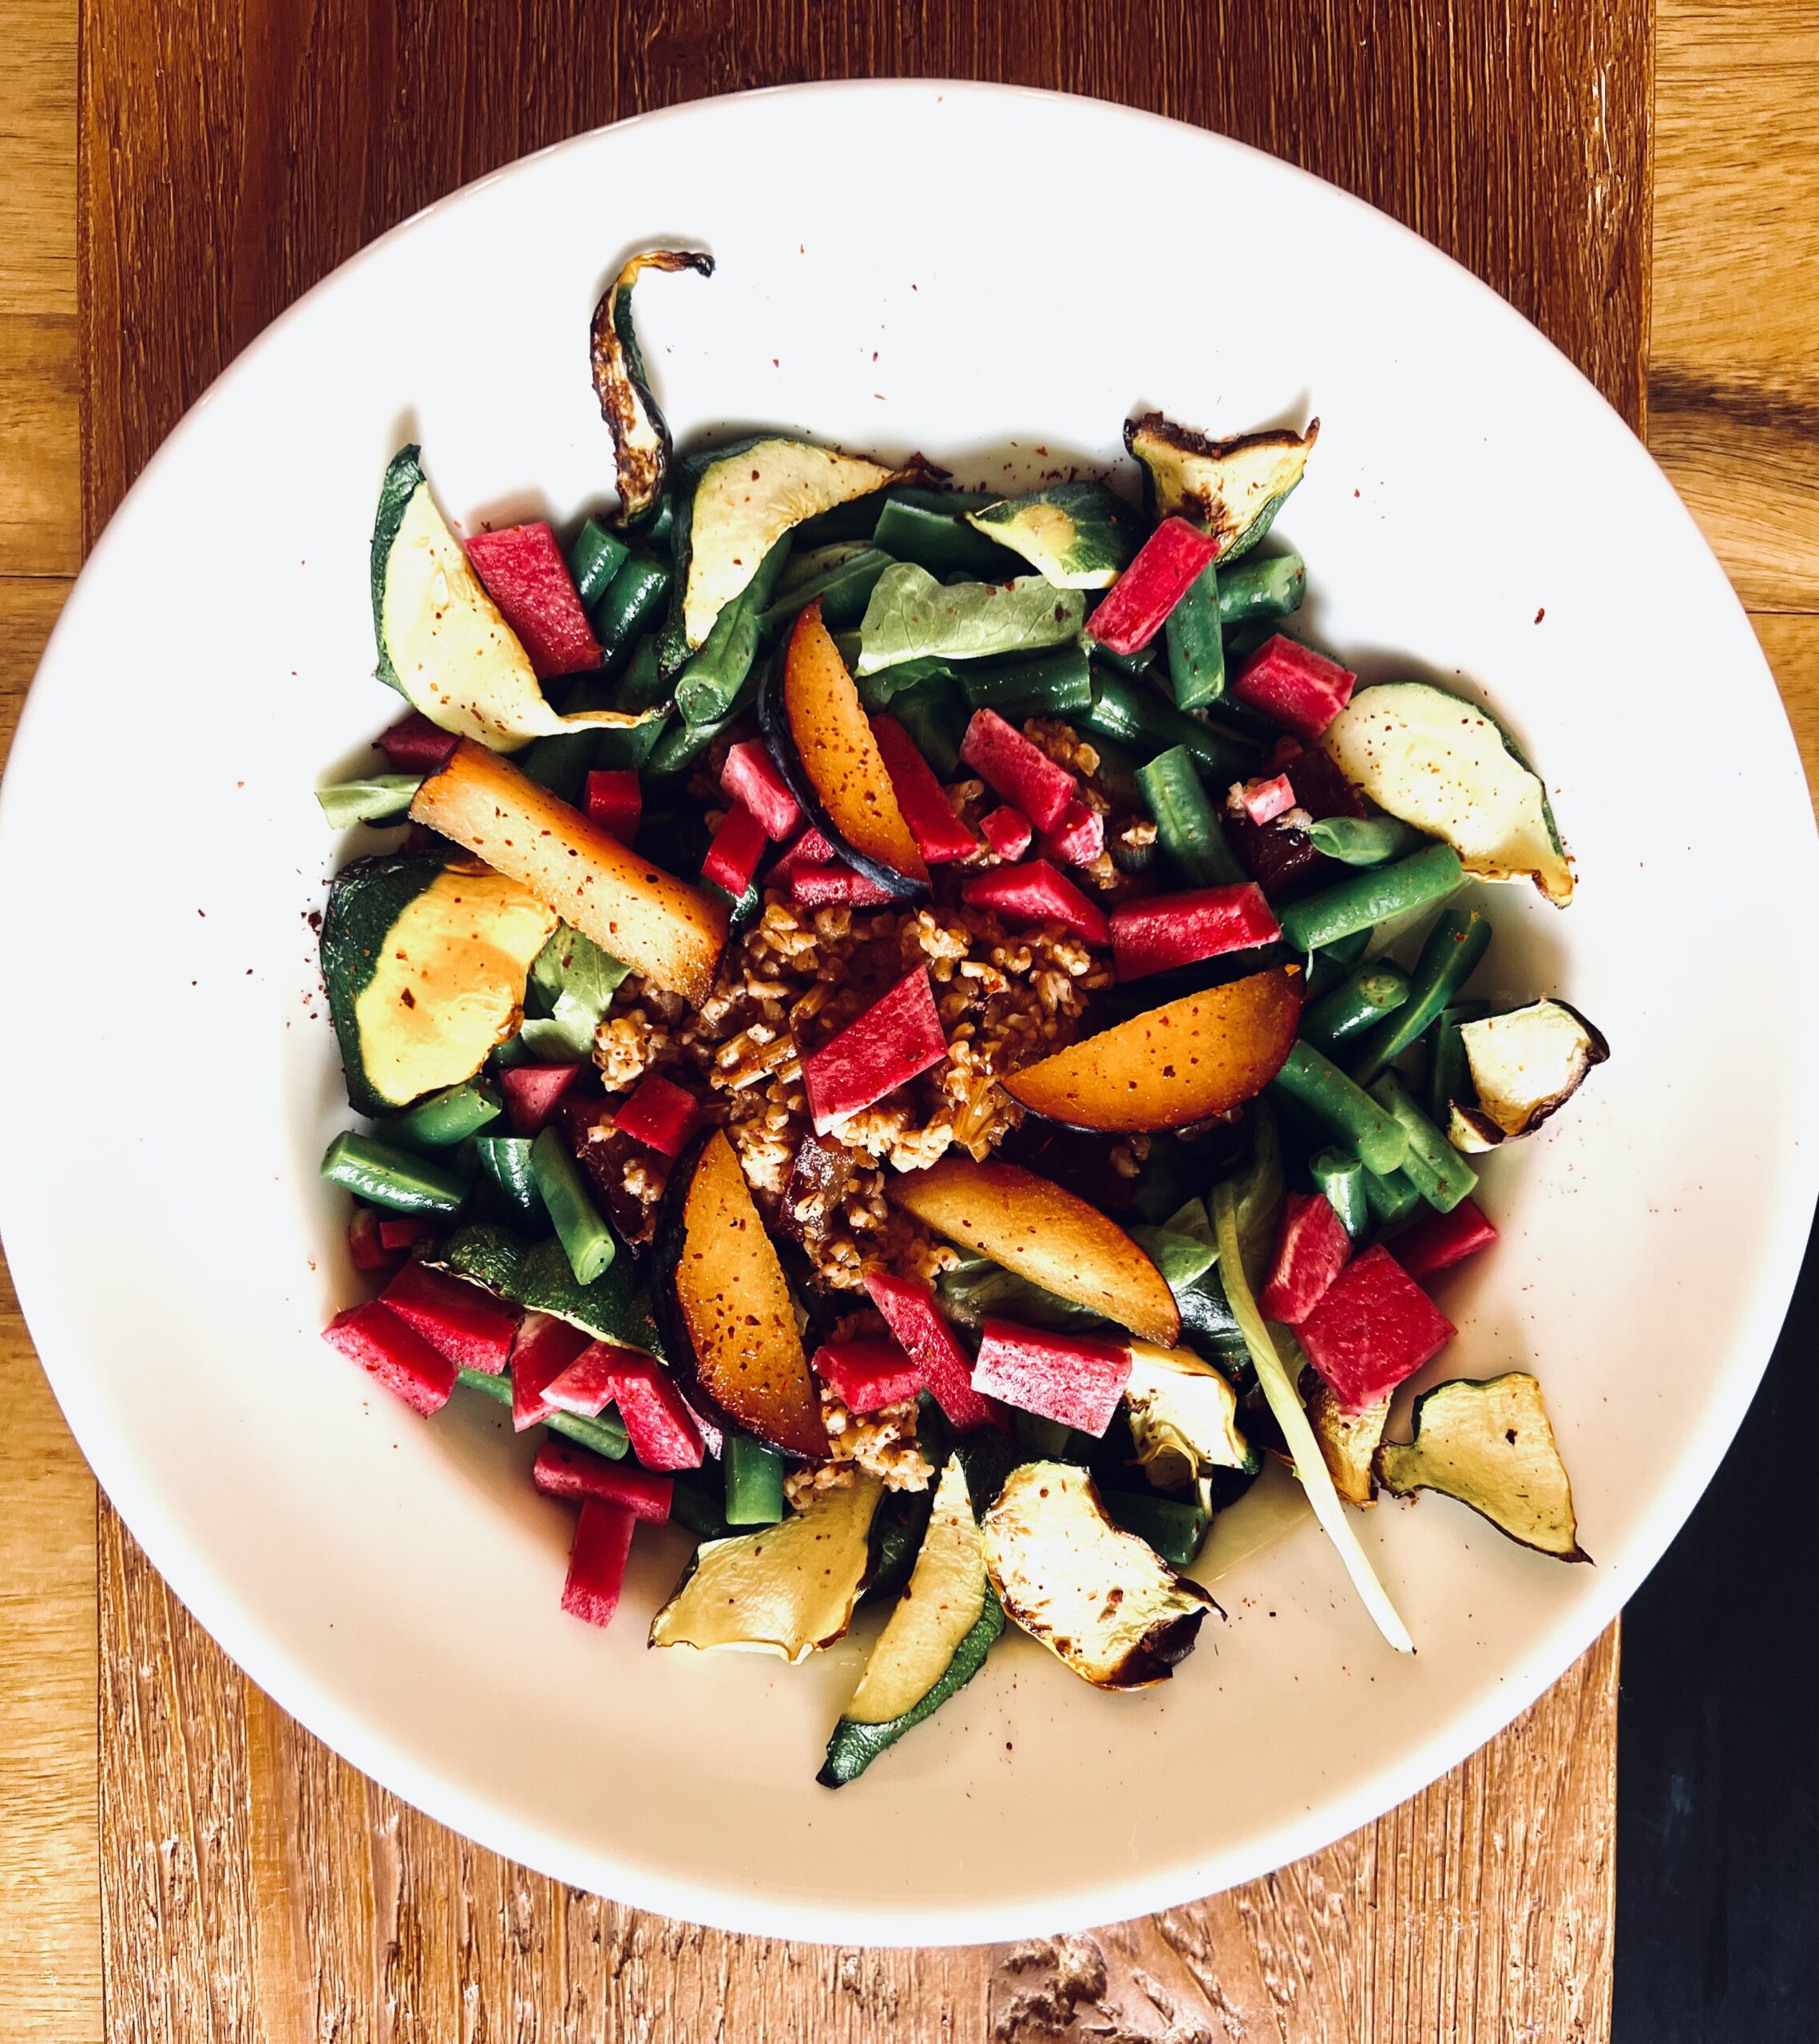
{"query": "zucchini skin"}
{"type": "Point", "coordinates": [364, 901]}
{"type": "Point", "coordinates": [404, 477]}
{"type": "Point", "coordinates": [852, 1747]}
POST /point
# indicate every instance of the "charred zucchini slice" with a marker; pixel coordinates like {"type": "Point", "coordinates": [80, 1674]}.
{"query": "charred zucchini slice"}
{"type": "Point", "coordinates": [1435, 761]}
{"type": "Point", "coordinates": [933, 1643]}
{"type": "Point", "coordinates": [640, 437]}
{"type": "Point", "coordinates": [1183, 1415]}
{"type": "Point", "coordinates": [1076, 535]}
{"type": "Point", "coordinates": [1100, 1599]}
{"type": "Point", "coordinates": [1234, 487]}
{"type": "Point", "coordinates": [1348, 1442]}
{"type": "Point", "coordinates": [1490, 1445]}
{"type": "Point", "coordinates": [788, 1589]}
{"type": "Point", "coordinates": [1522, 1067]}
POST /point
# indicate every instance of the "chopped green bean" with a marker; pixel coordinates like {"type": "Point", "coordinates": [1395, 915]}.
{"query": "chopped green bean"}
{"type": "Point", "coordinates": [582, 1232]}
{"type": "Point", "coordinates": [1369, 994]}
{"type": "Point", "coordinates": [637, 593]}
{"type": "Point", "coordinates": [604, 1436]}
{"type": "Point", "coordinates": [1267, 588]}
{"type": "Point", "coordinates": [692, 1507]}
{"type": "Point", "coordinates": [706, 686]}
{"type": "Point", "coordinates": [1449, 956]}
{"type": "Point", "coordinates": [1442, 1177]}
{"type": "Point", "coordinates": [594, 558]}
{"type": "Point", "coordinates": [754, 1482]}
{"type": "Point", "coordinates": [390, 1177]}
{"type": "Point", "coordinates": [1129, 665]}
{"type": "Point", "coordinates": [880, 689]}
{"type": "Point", "coordinates": [683, 743]}
{"type": "Point", "coordinates": [505, 1159]}
{"type": "Point", "coordinates": [1392, 1196]}
{"type": "Point", "coordinates": [929, 528]}
{"type": "Point", "coordinates": [1448, 1074]}
{"type": "Point", "coordinates": [1196, 648]}
{"type": "Point", "coordinates": [447, 1117]}
{"type": "Point", "coordinates": [1315, 1082]}
{"type": "Point", "coordinates": [1329, 964]}
{"type": "Point", "coordinates": [1365, 899]}
{"type": "Point", "coordinates": [1135, 714]}
{"type": "Point", "coordinates": [1056, 684]}
{"type": "Point", "coordinates": [842, 590]}
{"type": "Point", "coordinates": [1364, 840]}
{"type": "Point", "coordinates": [1340, 1176]}
{"type": "Point", "coordinates": [932, 716]}
{"type": "Point", "coordinates": [560, 762]}
{"type": "Point", "coordinates": [1187, 825]}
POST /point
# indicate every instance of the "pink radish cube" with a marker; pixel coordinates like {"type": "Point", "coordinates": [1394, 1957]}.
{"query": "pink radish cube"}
{"type": "Point", "coordinates": [389, 1349]}
{"type": "Point", "coordinates": [830, 886]}
{"type": "Point", "coordinates": [615, 799]}
{"type": "Point", "coordinates": [1069, 1378]}
{"type": "Point", "coordinates": [365, 1242]}
{"type": "Point", "coordinates": [1007, 831]}
{"type": "Point", "coordinates": [659, 1113]}
{"type": "Point", "coordinates": [544, 1349]}
{"type": "Point", "coordinates": [562, 1471]}
{"type": "Point", "coordinates": [911, 1313]}
{"type": "Point", "coordinates": [732, 857]}
{"type": "Point", "coordinates": [1373, 1327]}
{"type": "Point", "coordinates": [589, 1383]}
{"type": "Point", "coordinates": [896, 1037]}
{"type": "Point", "coordinates": [1034, 892]}
{"type": "Point", "coordinates": [662, 1429]}
{"type": "Point", "coordinates": [1264, 801]}
{"type": "Point", "coordinates": [1167, 930]}
{"type": "Point", "coordinates": [1136, 606]}
{"type": "Point", "coordinates": [1017, 769]}
{"type": "Point", "coordinates": [472, 1328]}
{"type": "Point", "coordinates": [533, 1092]}
{"type": "Point", "coordinates": [750, 776]}
{"type": "Point", "coordinates": [1294, 684]}
{"type": "Point", "coordinates": [596, 1561]}
{"type": "Point", "coordinates": [1436, 1241]}
{"type": "Point", "coordinates": [525, 574]}
{"type": "Point", "coordinates": [867, 1375]}
{"type": "Point", "coordinates": [414, 745]}
{"type": "Point", "coordinates": [939, 835]}
{"type": "Point", "coordinates": [1078, 839]}
{"type": "Point", "coordinates": [1312, 1248]}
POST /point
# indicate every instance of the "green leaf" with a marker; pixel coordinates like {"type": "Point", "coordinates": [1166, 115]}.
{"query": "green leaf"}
{"type": "Point", "coordinates": [379, 798]}
{"type": "Point", "coordinates": [572, 981]}
{"type": "Point", "coordinates": [976, 1289]}
{"type": "Point", "coordinates": [911, 616]}
{"type": "Point", "coordinates": [1181, 1258]}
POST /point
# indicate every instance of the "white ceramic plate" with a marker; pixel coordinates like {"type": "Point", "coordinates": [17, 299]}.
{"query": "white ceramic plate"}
{"type": "Point", "coordinates": [1474, 510]}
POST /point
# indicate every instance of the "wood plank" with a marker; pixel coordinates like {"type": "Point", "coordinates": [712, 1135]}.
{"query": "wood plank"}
{"type": "Point", "coordinates": [1792, 644]}
{"type": "Point", "coordinates": [1733, 386]}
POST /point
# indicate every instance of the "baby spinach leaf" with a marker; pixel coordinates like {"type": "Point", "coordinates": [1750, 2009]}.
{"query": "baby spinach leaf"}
{"type": "Point", "coordinates": [911, 616]}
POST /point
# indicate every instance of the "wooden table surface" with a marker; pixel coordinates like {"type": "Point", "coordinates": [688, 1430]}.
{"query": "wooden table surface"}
{"type": "Point", "coordinates": [178, 1860]}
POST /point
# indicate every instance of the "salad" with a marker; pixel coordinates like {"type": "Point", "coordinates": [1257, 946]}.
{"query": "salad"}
{"type": "Point", "coordinates": [918, 1037]}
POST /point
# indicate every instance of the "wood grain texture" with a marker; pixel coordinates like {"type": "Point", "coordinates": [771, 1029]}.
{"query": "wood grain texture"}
{"type": "Point", "coordinates": [1734, 378]}
{"type": "Point", "coordinates": [254, 1887]}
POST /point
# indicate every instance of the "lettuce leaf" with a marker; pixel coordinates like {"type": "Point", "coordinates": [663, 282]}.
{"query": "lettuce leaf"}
{"type": "Point", "coordinates": [572, 982]}
{"type": "Point", "coordinates": [911, 616]}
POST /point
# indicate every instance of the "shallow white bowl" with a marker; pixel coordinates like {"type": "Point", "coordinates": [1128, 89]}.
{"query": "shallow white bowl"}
{"type": "Point", "coordinates": [1474, 510]}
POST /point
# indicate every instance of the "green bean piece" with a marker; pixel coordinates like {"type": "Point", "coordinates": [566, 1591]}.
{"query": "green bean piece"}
{"type": "Point", "coordinates": [932, 716]}
{"type": "Point", "coordinates": [1329, 966]}
{"type": "Point", "coordinates": [929, 528]}
{"type": "Point", "coordinates": [693, 1507]}
{"type": "Point", "coordinates": [595, 557]}
{"type": "Point", "coordinates": [447, 1117]}
{"type": "Point", "coordinates": [1364, 996]}
{"type": "Point", "coordinates": [683, 743]}
{"type": "Point", "coordinates": [1391, 1195]}
{"type": "Point", "coordinates": [1187, 825]}
{"type": "Point", "coordinates": [392, 1178]}
{"type": "Point", "coordinates": [1341, 1174]}
{"type": "Point", "coordinates": [1316, 1084]}
{"type": "Point", "coordinates": [1135, 713]}
{"type": "Point", "coordinates": [582, 1232]}
{"type": "Point", "coordinates": [1458, 940]}
{"type": "Point", "coordinates": [1196, 647]}
{"type": "Point", "coordinates": [754, 1482]}
{"type": "Point", "coordinates": [1363, 899]}
{"type": "Point", "coordinates": [1261, 589]}
{"type": "Point", "coordinates": [560, 762]}
{"type": "Point", "coordinates": [604, 1436]}
{"type": "Point", "coordinates": [842, 592]}
{"type": "Point", "coordinates": [1442, 1177]}
{"type": "Point", "coordinates": [1056, 684]}
{"type": "Point", "coordinates": [1448, 1073]}
{"type": "Point", "coordinates": [880, 690]}
{"type": "Point", "coordinates": [505, 1159]}
{"type": "Point", "coordinates": [376, 798]}
{"type": "Point", "coordinates": [633, 599]}
{"type": "Point", "coordinates": [1365, 840]}
{"type": "Point", "coordinates": [706, 686]}
{"type": "Point", "coordinates": [1129, 665]}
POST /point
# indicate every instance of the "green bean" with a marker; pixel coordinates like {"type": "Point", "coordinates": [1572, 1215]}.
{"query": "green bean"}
{"type": "Point", "coordinates": [931, 715]}
{"type": "Point", "coordinates": [1187, 825]}
{"type": "Point", "coordinates": [1363, 899]}
{"type": "Point", "coordinates": [505, 1159]}
{"type": "Point", "coordinates": [1391, 1195]}
{"type": "Point", "coordinates": [376, 798]}
{"type": "Point", "coordinates": [634, 596]}
{"type": "Point", "coordinates": [1056, 684]}
{"type": "Point", "coordinates": [1442, 1177]}
{"type": "Point", "coordinates": [582, 1232]}
{"type": "Point", "coordinates": [558, 763]}
{"type": "Point", "coordinates": [604, 1436]}
{"type": "Point", "coordinates": [1369, 994]}
{"type": "Point", "coordinates": [1129, 665]}
{"type": "Point", "coordinates": [928, 528]}
{"type": "Point", "coordinates": [1330, 965]}
{"type": "Point", "coordinates": [447, 1117]}
{"type": "Point", "coordinates": [879, 690]}
{"type": "Point", "coordinates": [682, 743]}
{"type": "Point", "coordinates": [1340, 1176]}
{"type": "Point", "coordinates": [842, 592]}
{"type": "Point", "coordinates": [691, 1507]}
{"type": "Point", "coordinates": [388, 1177]}
{"type": "Point", "coordinates": [1448, 1073]}
{"type": "Point", "coordinates": [1261, 588]}
{"type": "Point", "coordinates": [706, 686]}
{"type": "Point", "coordinates": [1364, 840]}
{"type": "Point", "coordinates": [1449, 956]}
{"type": "Point", "coordinates": [754, 1482]}
{"type": "Point", "coordinates": [594, 558]}
{"type": "Point", "coordinates": [1135, 714]}
{"type": "Point", "coordinates": [1315, 1082]}
{"type": "Point", "coordinates": [1196, 647]}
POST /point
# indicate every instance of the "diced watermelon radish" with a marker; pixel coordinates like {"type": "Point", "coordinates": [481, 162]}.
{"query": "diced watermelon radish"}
{"type": "Point", "coordinates": [939, 835]}
{"type": "Point", "coordinates": [1312, 1248]}
{"type": "Point", "coordinates": [393, 1350]}
{"type": "Point", "coordinates": [659, 1113]}
{"type": "Point", "coordinates": [615, 800]}
{"type": "Point", "coordinates": [750, 776]}
{"type": "Point", "coordinates": [812, 848]}
{"type": "Point", "coordinates": [738, 845]}
{"type": "Point", "coordinates": [1135, 608]}
{"type": "Point", "coordinates": [589, 1383]}
{"type": "Point", "coordinates": [532, 1093]}
{"type": "Point", "coordinates": [473, 1328]}
{"type": "Point", "coordinates": [867, 1376]}
{"type": "Point", "coordinates": [1374, 1326]}
{"type": "Point", "coordinates": [365, 1242]}
{"type": "Point", "coordinates": [1078, 839]}
{"type": "Point", "coordinates": [662, 1429]}
{"type": "Point", "coordinates": [1007, 832]}
{"type": "Point", "coordinates": [1166, 930]}
{"type": "Point", "coordinates": [830, 886]}
{"type": "Point", "coordinates": [1017, 769]}
{"type": "Point", "coordinates": [913, 1318]}
{"type": "Point", "coordinates": [899, 1035]}
{"type": "Point", "coordinates": [525, 574]}
{"type": "Point", "coordinates": [1070, 1378]}
{"type": "Point", "coordinates": [405, 1230]}
{"type": "Point", "coordinates": [1279, 857]}
{"type": "Point", "coordinates": [414, 745]}
{"type": "Point", "coordinates": [544, 1349]}
{"type": "Point", "coordinates": [561, 1470]}
{"type": "Point", "coordinates": [1436, 1241]}
{"type": "Point", "coordinates": [1264, 801]}
{"type": "Point", "coordinates": [1034, 892]}
{"type": "Point", "coordinates": [1294, 684]}
{"type": "Point", "coordinates": [596, 1561]}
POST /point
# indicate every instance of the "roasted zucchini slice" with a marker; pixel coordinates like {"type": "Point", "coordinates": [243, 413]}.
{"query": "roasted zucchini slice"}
{"type": "Point", "coordinates": [1100, 1599]}
{"type": "Point", "coordinates": [1522, 1067]}
{"type": "Point", "coordinates": [1234, 487]}
{"type": "Point", "coordinates": [1489, 1444]}
{"type": "Point", "coordinates": [1076, 535]}
{"type": "Point", "coordinates": [1347, 1441]}
{"type": "Point", "coordinates": [640, 437]}
{"type": "Point", "coordinates": [788, 1589]}
{"type": "Point", "coordinates": [1183, 1415]}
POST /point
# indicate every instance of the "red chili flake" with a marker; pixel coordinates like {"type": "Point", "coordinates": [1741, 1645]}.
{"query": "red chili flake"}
{"type": "Point", "coordinates": [1540, 614]}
